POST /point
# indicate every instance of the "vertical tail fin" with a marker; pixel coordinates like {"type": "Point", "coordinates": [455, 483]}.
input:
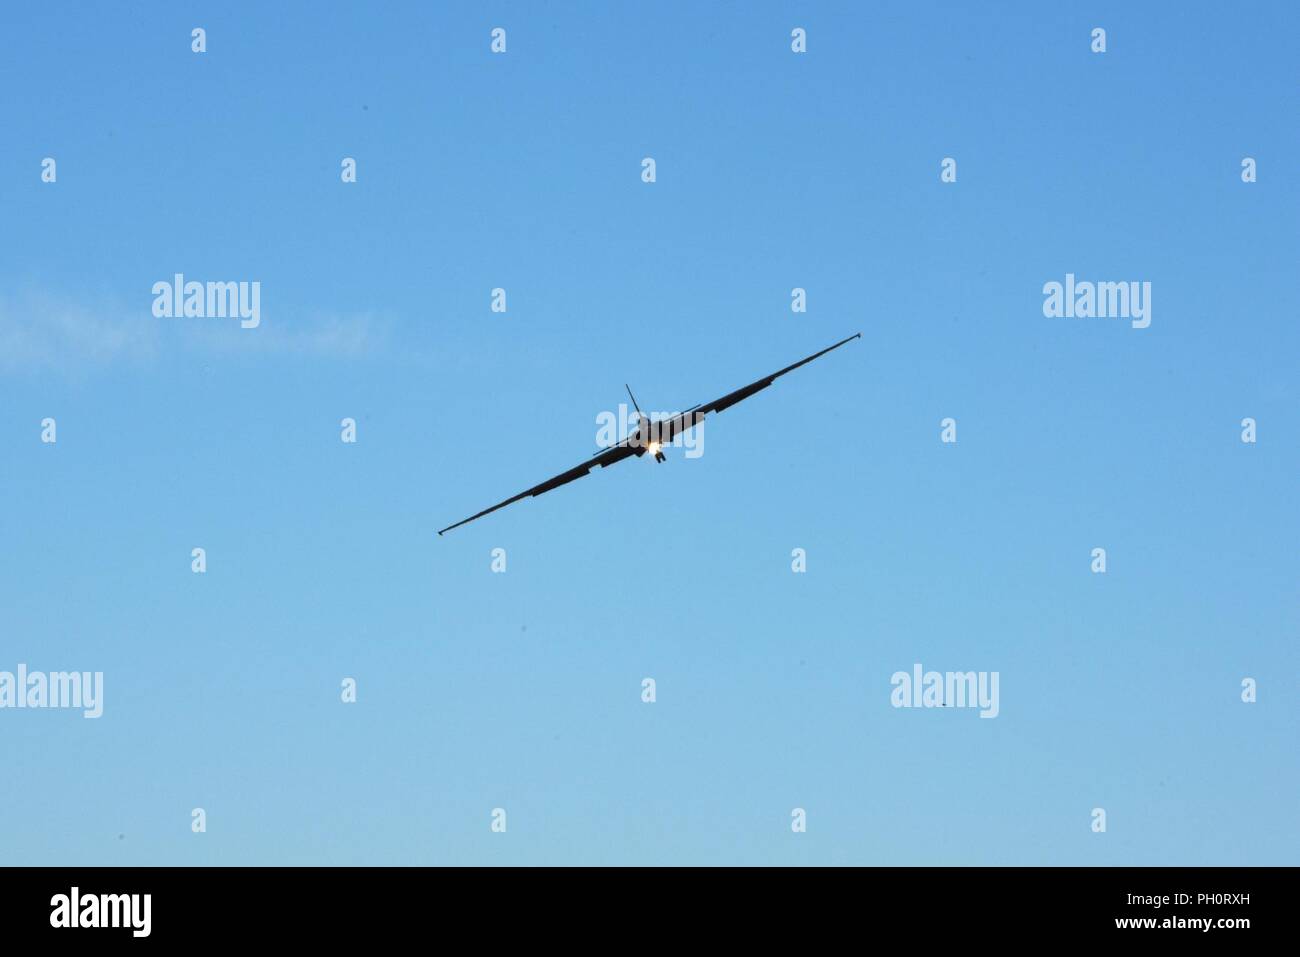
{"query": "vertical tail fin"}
{"type": "Point", "coordinates": [633, 398]}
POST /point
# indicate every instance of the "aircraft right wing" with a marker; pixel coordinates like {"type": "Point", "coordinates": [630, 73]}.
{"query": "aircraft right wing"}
{"type": "Point", "coordinates": [691, 417]}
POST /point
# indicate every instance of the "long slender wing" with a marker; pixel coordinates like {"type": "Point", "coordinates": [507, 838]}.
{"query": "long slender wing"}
{"type": "Point", "coordinates": [667, 429]}
{"type": "Point", "coordinates": [685, 420]}
{"type": "Point", "coordinates": [611, 455]}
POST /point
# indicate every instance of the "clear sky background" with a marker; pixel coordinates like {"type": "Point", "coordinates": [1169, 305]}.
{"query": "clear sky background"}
{"type": "Point", "coordinates": [522, 690]}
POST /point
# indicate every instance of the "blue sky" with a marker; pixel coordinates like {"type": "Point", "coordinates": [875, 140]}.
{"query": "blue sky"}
{"type": "Point", "coordinates": [522, 690]}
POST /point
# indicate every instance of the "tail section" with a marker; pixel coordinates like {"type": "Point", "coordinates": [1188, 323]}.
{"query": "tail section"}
{"type": "Point", "coordinates": [639, 416]}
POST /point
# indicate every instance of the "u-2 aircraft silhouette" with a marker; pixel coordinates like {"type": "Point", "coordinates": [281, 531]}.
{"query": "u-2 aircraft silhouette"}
{"type": "Point", "coordinates": [651, 436]}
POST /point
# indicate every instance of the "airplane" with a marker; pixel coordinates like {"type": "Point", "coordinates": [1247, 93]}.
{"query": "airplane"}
{"type": "Point", "coordinates": [651, 436]}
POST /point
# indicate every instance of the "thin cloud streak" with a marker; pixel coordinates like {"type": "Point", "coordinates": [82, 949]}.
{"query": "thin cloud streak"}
{"type": "Point", "coordinates": [40, 332]}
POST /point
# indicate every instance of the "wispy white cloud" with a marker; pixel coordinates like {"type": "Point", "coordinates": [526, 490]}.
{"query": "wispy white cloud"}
{"type": "Point", "coordinates": [41, 332]}
{"type": "Point", "coordinates": [320, 336]}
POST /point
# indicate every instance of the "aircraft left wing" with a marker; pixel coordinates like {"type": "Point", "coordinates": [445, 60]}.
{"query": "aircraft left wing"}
{"type": "Point", "coordinates": [611, 455]}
